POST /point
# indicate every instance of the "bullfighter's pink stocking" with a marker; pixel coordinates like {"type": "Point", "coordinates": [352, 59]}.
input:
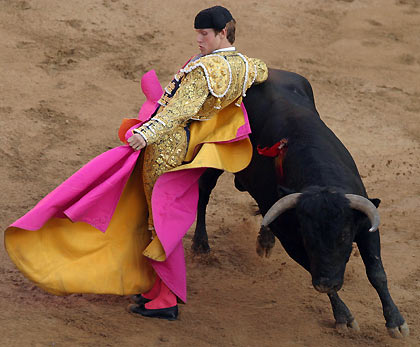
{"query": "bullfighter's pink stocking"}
{"type": "Point", "coordinates": [165, 298]}
{"type": "Point", "coordinates": [154, 292]}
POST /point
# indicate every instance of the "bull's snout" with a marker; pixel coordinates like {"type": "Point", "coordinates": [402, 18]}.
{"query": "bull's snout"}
{"type": "Point", "coordinates": [326, 285]}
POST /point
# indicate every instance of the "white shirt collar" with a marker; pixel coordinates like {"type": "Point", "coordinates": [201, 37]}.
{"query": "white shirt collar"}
{"type": "Point", "coordinates": [228, 49]}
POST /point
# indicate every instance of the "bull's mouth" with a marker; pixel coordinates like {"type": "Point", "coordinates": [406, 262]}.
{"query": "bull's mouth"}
{"type": "Point", "coordinates": [327, 288]}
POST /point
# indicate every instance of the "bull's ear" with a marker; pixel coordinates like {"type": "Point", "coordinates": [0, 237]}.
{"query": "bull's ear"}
{"type": "Point", "coordinates": [283, 191]}
{"type": "Point", "coordinates": [376, 202]}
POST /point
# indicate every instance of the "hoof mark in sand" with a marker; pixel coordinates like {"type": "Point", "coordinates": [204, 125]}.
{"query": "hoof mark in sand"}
{"type": "Point", "coordinates": [407, 59]}
{"type": "Point", "coordinates": [63, 59]}
{"type": "Point", "coordinates": [370, 43]}
{"type": "Point", "coordinates": [128, 69]}
{"type": "Point", "coordinates": [26, 44]}
{"type": "Point", "coordinates": [74, 23]}
{"type": "Point", "coordinates": [147, 37]}
{"type": "Point", "coordinates": [374, 22]}
{"type": "Point", "coordinates": [22, 5]}
{"type": "Point", "coordinates": [6, 109]}
{"type": "Point", "coordinates": [412, 3]}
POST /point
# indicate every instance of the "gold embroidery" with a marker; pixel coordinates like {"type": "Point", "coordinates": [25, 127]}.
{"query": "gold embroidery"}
{"type": "Point", "coordinates": [179, 75]}
{"type": "Point", "coordinates": [185, 104]}
{"type": "Point", "coordinates": [164, 100]}
{"type": "Point", "coordinates": [262, 71]}
{"type": "Point", "coordinates": [165, 134]}
{"type": "Point", "coordinates": [217, 71]}
{"type": "Point", "coordinates": [165, 154]}
{"type": "Point", "coordinates": [238, 101]}
{"type": "Point", "coordinates": [193, 99]}
{"type": "Point", "coordinates": [170, 87]}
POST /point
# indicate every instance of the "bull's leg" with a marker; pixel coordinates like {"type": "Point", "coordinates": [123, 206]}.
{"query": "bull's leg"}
{"type": "Point", "coordinates": [265, 242]}
{"type": "Point", "coordinates": [343, 317]}
{"type": "Point", "coordinates": [293, 245]}
{"type": "Point", "coordinates": [206, 184]}
{"type": "Point", "coordinates": [369, 247]}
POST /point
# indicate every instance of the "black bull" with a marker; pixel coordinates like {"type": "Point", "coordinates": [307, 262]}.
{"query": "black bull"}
{"type": "Point", "coordinates": [318, 227]}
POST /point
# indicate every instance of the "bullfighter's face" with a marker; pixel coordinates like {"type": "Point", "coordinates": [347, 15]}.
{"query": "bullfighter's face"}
{"type": "Point", "coordinates": [208, 41]}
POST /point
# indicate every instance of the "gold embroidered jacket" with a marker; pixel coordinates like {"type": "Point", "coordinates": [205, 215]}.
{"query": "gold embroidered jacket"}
{"type": "Point", "coordinates": [206, 85]}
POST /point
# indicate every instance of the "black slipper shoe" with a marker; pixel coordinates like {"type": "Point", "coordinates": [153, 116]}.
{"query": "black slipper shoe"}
{"type": "Point", "coordinates": [139, 299]}
{"type": "Point", "coordinates": [170, 313]}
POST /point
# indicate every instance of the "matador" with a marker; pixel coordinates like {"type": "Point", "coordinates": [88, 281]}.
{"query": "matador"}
{"type": "Point", "coordinates": [116, 225]}
{"type": "Point", "coordinates": [210, 81]}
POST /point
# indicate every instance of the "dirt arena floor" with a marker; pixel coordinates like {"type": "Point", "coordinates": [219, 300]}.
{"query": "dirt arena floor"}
{"type": "Point", "coordinates": [70, 71]}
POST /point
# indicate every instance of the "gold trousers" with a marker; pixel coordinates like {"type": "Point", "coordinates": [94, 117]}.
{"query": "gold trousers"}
{"type": "Point", "coordinates": [165, 154]}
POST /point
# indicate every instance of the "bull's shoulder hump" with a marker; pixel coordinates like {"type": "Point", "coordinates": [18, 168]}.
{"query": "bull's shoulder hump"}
{"type": "Point", "coordinates": [278, 76]}
{"type": "Point", "coordinates": [290, 81]}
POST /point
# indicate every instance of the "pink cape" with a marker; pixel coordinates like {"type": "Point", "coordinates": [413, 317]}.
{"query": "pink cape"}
{"type": "Point", "coordinates": [92, 194]}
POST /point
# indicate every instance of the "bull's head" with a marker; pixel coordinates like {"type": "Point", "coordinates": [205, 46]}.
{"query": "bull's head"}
{"type": "Point", "coordinates": [326, 223]}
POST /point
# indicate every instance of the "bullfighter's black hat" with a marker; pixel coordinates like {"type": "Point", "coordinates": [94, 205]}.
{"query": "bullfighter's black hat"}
{"type": "Point", "coordinates": [215, 17]}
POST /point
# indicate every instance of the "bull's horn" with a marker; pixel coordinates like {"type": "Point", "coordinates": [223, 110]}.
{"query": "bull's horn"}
{"type": "Point", "coordinates": [283, 204]}
{"type": "Point", "coordinates": [364, 205]}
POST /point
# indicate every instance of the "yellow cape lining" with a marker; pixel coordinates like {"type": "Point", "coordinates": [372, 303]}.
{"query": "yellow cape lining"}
{"type": "Point", "coordinates": [64, 257]}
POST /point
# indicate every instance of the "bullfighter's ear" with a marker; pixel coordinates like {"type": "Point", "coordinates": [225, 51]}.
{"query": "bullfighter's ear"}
{"type": "Point", "coordinates": [376, 202]}
{"type": "Point", "coordinates": [283, 191]}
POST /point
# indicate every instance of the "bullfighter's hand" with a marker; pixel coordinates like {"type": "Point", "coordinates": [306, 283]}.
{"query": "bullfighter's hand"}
{"type": "Point", "coordinates": [137, 142]}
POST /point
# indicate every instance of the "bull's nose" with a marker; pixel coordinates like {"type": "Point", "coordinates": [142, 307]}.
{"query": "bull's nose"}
{"type": "Point", "coordinates": [322, 289]}
{"type": "Point", "coordinates": [326, 285]}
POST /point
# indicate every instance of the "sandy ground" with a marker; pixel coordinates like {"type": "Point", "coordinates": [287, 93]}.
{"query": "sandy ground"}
{"type": "Point", "coordinates": [70, 71]}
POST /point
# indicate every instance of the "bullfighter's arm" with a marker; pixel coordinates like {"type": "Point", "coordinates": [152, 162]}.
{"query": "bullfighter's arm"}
{"type": "Point", "coordinates": [262, 70]}
{"type": "Point", "coordinates": [186, 103]}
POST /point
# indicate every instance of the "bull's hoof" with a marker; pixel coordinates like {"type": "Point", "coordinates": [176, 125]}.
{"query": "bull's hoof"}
{"type": "Point", "coordinates": [399, 332]}
{"type": "Point", "coordinates": [265, 242]}
{"type": "Point", "coordinates": [343, 328]}
{"type": "Point", "coordinates": [200, 248]}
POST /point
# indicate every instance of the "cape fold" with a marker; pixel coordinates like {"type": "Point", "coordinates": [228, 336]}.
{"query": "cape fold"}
{"type": "Point", "coordinates": [89, 234]}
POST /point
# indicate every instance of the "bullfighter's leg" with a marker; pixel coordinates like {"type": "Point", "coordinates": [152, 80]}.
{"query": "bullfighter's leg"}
{"type": "Point", "coordinates": [169, 152]}
{"type": "Point", "coordinates": [160, 157]}
{"type": "Point", "coordinates": [369, 247]}
{"type": "Point", "coordinates": [206, 183]}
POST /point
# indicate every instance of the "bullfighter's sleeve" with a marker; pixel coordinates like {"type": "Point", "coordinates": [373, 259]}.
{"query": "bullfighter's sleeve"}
{"type": "Point", "coordinates": [262, 70]}
{"type": "Point", "coordinates": [187, 101]}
